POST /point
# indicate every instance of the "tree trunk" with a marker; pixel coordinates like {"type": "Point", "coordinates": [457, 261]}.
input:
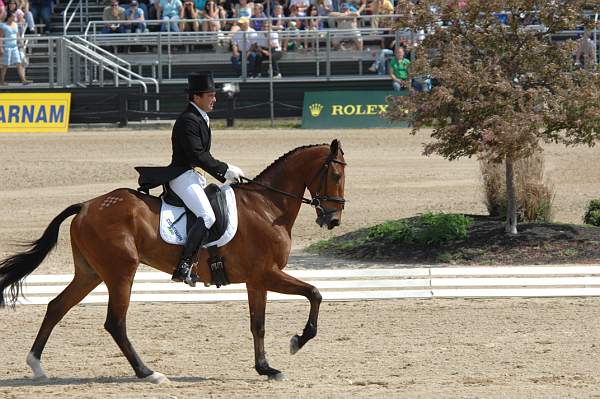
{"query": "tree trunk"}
{"type": "Point", "coordinates": [511, 197]}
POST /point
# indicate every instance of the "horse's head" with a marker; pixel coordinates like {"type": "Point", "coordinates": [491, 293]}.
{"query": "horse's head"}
{"type": "Point", "coordinates": [327, 187]}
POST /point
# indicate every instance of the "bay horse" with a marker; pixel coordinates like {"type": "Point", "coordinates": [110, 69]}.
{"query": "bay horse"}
{"type": "Point", "coordinates": [113, 233]}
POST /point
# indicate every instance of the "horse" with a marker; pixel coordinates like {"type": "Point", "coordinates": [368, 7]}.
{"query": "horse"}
{"type": "Point", "coordinates": [115, 232]}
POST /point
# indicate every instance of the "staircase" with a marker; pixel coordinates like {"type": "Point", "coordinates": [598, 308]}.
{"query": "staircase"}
{"type": "Point", "coordinates": [92, 13]}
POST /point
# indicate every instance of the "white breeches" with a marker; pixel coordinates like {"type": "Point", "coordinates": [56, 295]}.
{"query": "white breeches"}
{"type": "Point", "coordinates": [189, 186]}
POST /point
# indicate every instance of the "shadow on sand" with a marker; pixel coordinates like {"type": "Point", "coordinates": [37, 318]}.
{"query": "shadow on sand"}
{"type": "Point", "coordinates": [25, 381]}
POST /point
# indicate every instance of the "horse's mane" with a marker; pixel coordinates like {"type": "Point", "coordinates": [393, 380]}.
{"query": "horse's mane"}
{"type": "Point", "coordinates": [283, 158]}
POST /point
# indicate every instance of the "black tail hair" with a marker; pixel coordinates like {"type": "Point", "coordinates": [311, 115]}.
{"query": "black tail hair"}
{"type": "Point", "coordinates": [16, 267]}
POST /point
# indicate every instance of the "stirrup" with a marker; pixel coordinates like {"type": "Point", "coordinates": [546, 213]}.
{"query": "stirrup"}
{"type": "Point", "coordinates": [183, 273]}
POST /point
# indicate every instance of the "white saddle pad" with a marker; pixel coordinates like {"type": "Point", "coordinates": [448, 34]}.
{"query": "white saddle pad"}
{"type": "Point", "coordinates": [174, 231]}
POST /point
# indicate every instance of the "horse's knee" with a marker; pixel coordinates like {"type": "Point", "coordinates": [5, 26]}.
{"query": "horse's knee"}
{"type": "Point", "coordinates": [315, 295]}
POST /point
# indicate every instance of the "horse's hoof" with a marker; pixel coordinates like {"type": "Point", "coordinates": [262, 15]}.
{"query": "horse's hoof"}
{"type": "Point", "coordinates": [278, 377]}
{"type": "Point", "coordinates": [156, 378]}
{"type": "Point", "coordinates": [294, 345]}
{"type": "Point", "coordinates": [36, 366]}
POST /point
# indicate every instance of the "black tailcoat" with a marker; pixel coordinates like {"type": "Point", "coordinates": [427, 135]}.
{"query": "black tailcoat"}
{"type": "Point", "coordinates": [191, 141]}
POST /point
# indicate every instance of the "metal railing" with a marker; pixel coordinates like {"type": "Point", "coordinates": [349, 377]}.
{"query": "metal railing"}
{"type": "Point", "coordinates": [361, 21]}
{"type": "Point", "coordinates": [67, 20]}
{"type": "Point", "coordinates": [74, 50]}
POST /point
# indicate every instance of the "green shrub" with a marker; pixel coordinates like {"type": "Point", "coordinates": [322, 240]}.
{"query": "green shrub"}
{"type": "Point", "coordinates": [534, 196]}
{"type": "Point", "coordinates": [592, 214]}
{"type": "Point", "coordinates": [392, 230]}
{"type": "Point", "coordinates": [438, 228]}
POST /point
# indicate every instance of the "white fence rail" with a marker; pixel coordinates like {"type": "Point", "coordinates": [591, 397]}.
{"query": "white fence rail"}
{"type": "Point", "coordinates": [359, 284]}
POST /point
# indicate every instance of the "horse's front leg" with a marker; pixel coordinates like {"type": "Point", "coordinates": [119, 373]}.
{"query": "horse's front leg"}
{"type": "Point", "coordinates": [283, 283]}
{"type": "Point", "coordinates": [257, 300]}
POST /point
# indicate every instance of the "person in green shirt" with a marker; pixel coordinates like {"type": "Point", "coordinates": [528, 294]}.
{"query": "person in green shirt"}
{"type": "Point", "coordinates": [399, 69]}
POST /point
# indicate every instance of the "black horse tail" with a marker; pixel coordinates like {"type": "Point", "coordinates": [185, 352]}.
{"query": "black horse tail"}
{"type": "Point", "coordinates": [15, 268]}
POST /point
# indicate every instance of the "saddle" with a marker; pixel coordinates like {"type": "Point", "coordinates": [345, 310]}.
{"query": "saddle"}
{"type": "Point", "coordinates": [152, 177]}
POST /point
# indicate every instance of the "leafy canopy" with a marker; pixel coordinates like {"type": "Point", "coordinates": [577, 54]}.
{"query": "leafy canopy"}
{"type": "Point", "coordinates": [503, 88]}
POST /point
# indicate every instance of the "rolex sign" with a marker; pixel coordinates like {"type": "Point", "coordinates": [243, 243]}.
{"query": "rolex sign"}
{"type": "Point", "coordinates": [347, 109]}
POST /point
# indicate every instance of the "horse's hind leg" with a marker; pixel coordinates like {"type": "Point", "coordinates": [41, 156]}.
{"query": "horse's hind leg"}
{"type": "Point", "coordinates": [119, 291]}
{"type": "Point", "coordinates": [84, 281]}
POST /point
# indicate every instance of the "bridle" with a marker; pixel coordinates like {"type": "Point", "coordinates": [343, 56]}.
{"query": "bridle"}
{"type": "Point", "coordinates": [316, 200]}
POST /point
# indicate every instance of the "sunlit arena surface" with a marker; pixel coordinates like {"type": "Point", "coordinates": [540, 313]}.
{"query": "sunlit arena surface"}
{"type": "Point", "coordinates": [397, 348]}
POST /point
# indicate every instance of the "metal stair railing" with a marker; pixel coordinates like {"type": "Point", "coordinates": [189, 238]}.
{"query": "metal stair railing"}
{"type": "Point", "coordinates": [79, 6]}
{"type": "Point", "coordinates": [103, 64]}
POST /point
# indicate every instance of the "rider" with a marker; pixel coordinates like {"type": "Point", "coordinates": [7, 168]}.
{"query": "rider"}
{"type": "Point", "coordinates": [191, 141]}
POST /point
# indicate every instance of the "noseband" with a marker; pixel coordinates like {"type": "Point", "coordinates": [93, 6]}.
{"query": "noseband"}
{"type": "Point", "coordinates": [316, 200]}
{"type": "Point", "coordinates": [322, 174]}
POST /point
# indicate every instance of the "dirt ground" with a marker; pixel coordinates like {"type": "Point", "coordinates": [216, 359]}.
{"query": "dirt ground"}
{"type": "Point", "coordinates": [403, 348]}
{"type": "Point", "coordinates": [387, 177]}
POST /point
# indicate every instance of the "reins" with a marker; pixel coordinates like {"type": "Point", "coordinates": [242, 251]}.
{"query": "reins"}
{"type": "Point", "coordinates": [304, 200]}
{"type": "Point", "coordinates": [314, 201]}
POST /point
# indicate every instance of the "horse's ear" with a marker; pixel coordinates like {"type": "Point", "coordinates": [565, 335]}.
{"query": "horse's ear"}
{"type": "Point", "coordinates": [335, 146]}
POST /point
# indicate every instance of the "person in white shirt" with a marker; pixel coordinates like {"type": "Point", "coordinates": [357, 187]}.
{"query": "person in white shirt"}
{"type": "Point", "coordinates": [302, 6]}
{"type": "Point", "coordinates": [264, 44]}
{"type": "Point", "coordinates": [244, 41]}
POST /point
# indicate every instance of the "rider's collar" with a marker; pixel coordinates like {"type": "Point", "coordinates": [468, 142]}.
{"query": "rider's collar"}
{"type": "Point", "coordinates": [204, 114]}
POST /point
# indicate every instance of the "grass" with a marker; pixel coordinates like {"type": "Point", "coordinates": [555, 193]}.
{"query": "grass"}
{"type": "Point", "coordinates": [427, 229]}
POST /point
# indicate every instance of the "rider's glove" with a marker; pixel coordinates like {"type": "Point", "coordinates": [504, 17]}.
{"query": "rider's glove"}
{"type": "Point", "coordinates": [234, 174]}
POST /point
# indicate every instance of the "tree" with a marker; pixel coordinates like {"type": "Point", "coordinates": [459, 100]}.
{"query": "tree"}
{"type": "Point", "coordinates": [504, 86]}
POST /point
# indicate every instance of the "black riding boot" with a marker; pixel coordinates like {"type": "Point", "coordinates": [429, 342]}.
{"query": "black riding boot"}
{"type": "Point", "coordinates": [196, 236]}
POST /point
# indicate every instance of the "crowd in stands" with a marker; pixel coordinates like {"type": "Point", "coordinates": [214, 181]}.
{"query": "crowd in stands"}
{"type": "Point", "coordinates": [247, 23]}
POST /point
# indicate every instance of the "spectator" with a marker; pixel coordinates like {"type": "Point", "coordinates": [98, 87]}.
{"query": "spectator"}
{"type": "Point", "coordinates": [42, 13]}
{"type": "Point", "coordinates": [325, 7]}
{"type": "Point", "coordinates": [278, 18]}
{"type": "Point", "coordinates": [2, 10]}
{"type": "Point", "coordinates": [293, 27]}
{"type": "Point", "coordinates": [169, 10]}
{"type": "Point", "coordinates": [135, 17]}
{"type": "Point", "coordinates": [244, 41]}
{"type": "Point", "coordinates": [243, 9]}
{"type": "Point", "coordinates": [200, 4]}
{"type": "Point", "coordinates": [399, 70]}
{"type": "Point", "coordinates": [301, 5]}
{"type": "Point", "coordinates": [11, 5]}
{"type": "Point", "coordinates": [29, 21]}
{"type": "Point", "coordinates": [264, 44]}
{"type": "Point", "coordinates": [381, 57]}
{"type": "Point", "coordinates": [347, 19]}
{"type": "Point", "coordinates": [586, 52]}
{"type": "Point", "coordinates": [113, 13]}
{"type": "Point", "coordinates": [211, 15]}
{"type": "Point", "coordinates": [9, 50]}
{"type": "Point", "coordinates": [189, 11]}
{"type": "Point", "coordinates": [381, 7]}
{"type": "Point", "coordinates": [313, 24]}
{"type": "Point", "coordinates": [258, 17]}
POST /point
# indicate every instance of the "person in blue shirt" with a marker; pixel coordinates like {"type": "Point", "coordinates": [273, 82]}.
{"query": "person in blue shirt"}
{"type": "Point", "coordinates": [135, 18]}
{"type": "Point", "coordinates": [9, 50]}
{"type": "Point", "coordinates": [169, 10]}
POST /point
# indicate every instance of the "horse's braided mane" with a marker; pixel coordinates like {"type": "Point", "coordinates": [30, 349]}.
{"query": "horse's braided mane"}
{"type": "Point", "coordinates": [283, 158]}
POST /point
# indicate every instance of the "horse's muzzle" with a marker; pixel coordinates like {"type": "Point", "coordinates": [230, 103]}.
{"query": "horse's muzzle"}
{"type": "Point", "coordinates": [328, 220]}
{"type": "Point", "coordinates": [333, 223]}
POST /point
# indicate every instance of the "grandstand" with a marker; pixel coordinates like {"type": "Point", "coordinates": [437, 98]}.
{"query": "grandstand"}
{"type": "Point", "coordinates": [133, 76]}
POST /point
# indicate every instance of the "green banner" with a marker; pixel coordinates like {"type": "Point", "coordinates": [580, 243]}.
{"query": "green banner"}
{"type": "Point", "coordinates": [347, 109]}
